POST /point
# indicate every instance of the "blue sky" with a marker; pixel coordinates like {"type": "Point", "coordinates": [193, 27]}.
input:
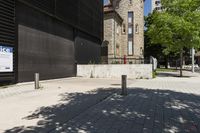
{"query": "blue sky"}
{"type": "Point", "coordinates": [105, 1]}
{"type": "Point", "coordinates": [147, 6]}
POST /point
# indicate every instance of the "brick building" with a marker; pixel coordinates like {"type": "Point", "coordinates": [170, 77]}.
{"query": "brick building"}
{"type": "Point", "coordinates": [156, 5]}
{"type": "Point", "coordinates": [124, 29]}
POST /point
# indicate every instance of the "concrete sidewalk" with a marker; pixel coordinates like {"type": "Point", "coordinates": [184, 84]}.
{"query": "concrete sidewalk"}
{"type": "Point", "coordinates": [19, 101]}
{"type": "Point", "coordinates": [161, 105]}
{"type": "Point", "coordinates": [81, 84]}
{"type": "Point", "coordinates": [177, 74]}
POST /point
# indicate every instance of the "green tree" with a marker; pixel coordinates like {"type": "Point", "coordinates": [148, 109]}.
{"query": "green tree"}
{"type": "Point", "coordinates": [177, 27]}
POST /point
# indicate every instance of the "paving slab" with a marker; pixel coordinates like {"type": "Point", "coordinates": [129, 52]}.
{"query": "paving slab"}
{"type": "Point", "coordinates": [78, 105]}
{"type": "Point", "coordinates": [22, 106]}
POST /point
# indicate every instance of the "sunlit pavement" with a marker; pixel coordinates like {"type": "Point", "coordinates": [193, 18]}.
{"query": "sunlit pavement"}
{"type": "Point", "coordinates": [166, 104]}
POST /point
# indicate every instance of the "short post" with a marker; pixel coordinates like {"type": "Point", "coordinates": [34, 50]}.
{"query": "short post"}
{"type": "Point", "coordinates": [37, 79]}
{"type": "Point", "coordinates": [152, 62]}
{"type": "Point", "coordinates": [125, 59]}
{"type": "Point", "coordinates": [193, 54]}
{"type": "Point", "coordinates": [124, 85]}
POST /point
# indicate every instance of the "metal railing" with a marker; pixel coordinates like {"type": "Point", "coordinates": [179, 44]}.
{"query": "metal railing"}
{"type": "Point", "coordinates": [128, 61]}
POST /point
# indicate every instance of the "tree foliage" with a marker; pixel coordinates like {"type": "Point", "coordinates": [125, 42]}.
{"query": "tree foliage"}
{"type": "Point", "coordinates": [177, 27]}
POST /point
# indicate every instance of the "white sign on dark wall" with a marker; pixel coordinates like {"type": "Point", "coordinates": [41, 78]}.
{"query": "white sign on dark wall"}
{"type": "Point", "coordinates": [6, 59]}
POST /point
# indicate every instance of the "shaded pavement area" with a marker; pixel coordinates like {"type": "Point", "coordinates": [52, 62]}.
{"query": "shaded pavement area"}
{"type": "Point", "coordinates": [176, 73]}
{"type": "Point", "coordinates": [162, 105]}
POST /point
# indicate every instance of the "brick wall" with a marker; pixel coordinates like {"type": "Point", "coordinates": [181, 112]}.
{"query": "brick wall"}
{"type": "Point", "coordinates": [123, 7]}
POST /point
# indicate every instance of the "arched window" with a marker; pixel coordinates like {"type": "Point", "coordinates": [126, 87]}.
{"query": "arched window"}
{"type": "Point", "coordinates": [123, 29]}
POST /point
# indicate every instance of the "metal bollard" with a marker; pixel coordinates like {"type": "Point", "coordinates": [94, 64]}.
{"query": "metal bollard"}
{"type": "Point", "coordinates": [124, 85]}
{"type": "Point", "coordinates": [37, 79]}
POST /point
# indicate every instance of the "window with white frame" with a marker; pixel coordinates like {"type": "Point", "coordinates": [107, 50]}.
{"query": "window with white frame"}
{"type": "Point", "coordinates": [130, 30]}
{"type": "Point", "coordinates": [130, 47]}
{"type": "Point", "coordinates": [130, 33]}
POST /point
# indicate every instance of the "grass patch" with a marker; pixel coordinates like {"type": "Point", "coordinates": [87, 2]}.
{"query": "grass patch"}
{"type": "Point", "coordinates": [166, 70]}
{"type": "Point", "coordinates": [154, 74]}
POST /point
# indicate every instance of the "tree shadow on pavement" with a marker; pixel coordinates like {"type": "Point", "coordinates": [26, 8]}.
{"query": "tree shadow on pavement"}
{"type": "Point", "coordinates": [105, 110]}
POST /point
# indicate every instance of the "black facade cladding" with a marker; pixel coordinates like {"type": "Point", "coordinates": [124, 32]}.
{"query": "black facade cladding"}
{"type": "Point", "coordinates": [7, 22]}
{"type": "Point", "coordinates": [46, 5]}
{"type": "Point", "coordinates": [82, 14]}
{"type": "Point", "coordinates": [50, 34]}
{"type": "Point", "coordinates": [67, 11]}
{"type": "Point", "coordinates": [7, 31]}
{"type": "Point", "coordinates": [45, 46]}
{"type": "Point", "coordinates": [87, 48]}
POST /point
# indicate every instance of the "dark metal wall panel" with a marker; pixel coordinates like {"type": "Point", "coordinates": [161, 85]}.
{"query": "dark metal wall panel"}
{"type": "Point", "coordinates": [87, 49]}
{"type": "Point", "coordinates": [45, 45]}
{"type": "Point", "coordinates": [91, 16]}
{"type": "Point", "coordinates": [67, 10]}
{"type": "Point", "coordinates": [46, 5]}
{"type": "Point", "coordinates": [7, 21]}
{"type": "Point", "coordinates": [85, 15]}
{"type": "Point", "coordinates": [42, 24]}
{"type": "Point", "coordinates": [7, 32]}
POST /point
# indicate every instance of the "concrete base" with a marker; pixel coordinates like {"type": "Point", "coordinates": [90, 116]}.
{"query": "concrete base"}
{"type": "Point", "coordinates": [133, 71]}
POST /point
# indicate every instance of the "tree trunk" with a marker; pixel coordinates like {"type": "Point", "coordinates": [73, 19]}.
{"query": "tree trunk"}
{"type": "Point", "coordinates": [181, 63]}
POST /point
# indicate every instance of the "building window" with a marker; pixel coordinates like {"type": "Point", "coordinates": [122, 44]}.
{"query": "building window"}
{"type": "Point", "coordinates": [117, 29]}
{"type": "Point", "coordinates": [158, 8]}
{"type": "Point", "coordinates": [123, 29]}
{"type": "Point", "coordinates": [130, 33]}
{"type": "Point", "coordinates": [136, 28]}
{"type": "Point", "coordinates": [117, 5]}
{"type": "Point", "coordinates": [142, 4]}
{"type": "Point", "coordinates": [130, 2]}
{"type": "Point", "coordinates": [130, 30]}
{"type": "Point", "coordinates": [117, 50]}
{"type": "Point", "coordinates": [130, 17]}
{"type": "Point", "coordinates": [130, 47]}
{"type": "Point", "coordinates": [141, 51]}
{"type": "Point", "coordinates": [157, 2]}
